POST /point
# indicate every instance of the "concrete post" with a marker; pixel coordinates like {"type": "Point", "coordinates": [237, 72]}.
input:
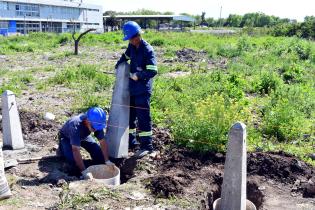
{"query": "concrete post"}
{"type": "Point", "coordinates": [11, 125]}
{"type": "Point", "coordinates": [5, 191]}
{"type": "Point", "coordinates": [118, 123]}
{"type": "Point", "coordinates": [234, 181]}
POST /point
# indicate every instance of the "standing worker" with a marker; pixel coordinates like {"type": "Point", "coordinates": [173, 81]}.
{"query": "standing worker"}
{"type": "Point", "coordinates": [143, 67]}
{"type": "Point", "coordinates": [75, 133]}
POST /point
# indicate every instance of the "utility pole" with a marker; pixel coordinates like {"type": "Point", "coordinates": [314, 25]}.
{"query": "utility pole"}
{"type": "Point", "coordinates": [220, 16]}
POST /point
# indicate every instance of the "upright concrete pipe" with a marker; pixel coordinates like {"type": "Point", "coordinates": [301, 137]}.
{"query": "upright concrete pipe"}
{"type": "Point", "coordinates": [103, 174]}
{"type": "Point", "coordinates": [118, 123]}
{"type": "Point", "coordinates": [217, 205]}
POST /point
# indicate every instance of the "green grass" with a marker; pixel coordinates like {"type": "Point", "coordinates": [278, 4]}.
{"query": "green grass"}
{"type": "Point", "coordinates": [78, 201]}
{"type": "Point", "coordinates": [17, 81]}
{"type": "Point", "coordinates": [90, 83]}
{"type": "Point", "coordinates": [268, 83]}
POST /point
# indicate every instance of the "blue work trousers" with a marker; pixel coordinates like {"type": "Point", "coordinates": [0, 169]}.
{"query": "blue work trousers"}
{"type": "Point", "coordinates": [140, 113]}
{"type": "Point", "coordinates": [89, 144]}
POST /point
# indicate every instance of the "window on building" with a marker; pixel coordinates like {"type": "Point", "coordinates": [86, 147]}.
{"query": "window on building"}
{"type": "Point", "coordinates": [4, 5]}
{"type": "Point", "coordinates": [4, 24]}
{"type": "Point", "coordinates": [29, 10]}
{"type": "Point", "coordinates": [27, 27]}
{"type": "Point", "coordinates": [91, 24]}
{"type": "Point", "coordinates": [94, 10]}
{"type": "Point", "coordinates": [73, 27]}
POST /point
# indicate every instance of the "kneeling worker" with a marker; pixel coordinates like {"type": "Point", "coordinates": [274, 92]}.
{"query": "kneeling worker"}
{"type": "Point", "coordinates": [75, 133]}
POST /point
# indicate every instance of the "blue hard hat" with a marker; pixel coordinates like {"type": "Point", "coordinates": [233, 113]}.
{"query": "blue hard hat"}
{"type": "Point", "coordinates": [97, 117]}
{"type": "Point", "coordinates": [131, 29]}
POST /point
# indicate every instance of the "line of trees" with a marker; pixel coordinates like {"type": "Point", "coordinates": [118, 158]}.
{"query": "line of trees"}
{"type": "Point", "coordinates": [305, 29]}
{"type": "Point", "coordinates": [278, 26]}
{"type": "Point", "coordinates": [255, 20]}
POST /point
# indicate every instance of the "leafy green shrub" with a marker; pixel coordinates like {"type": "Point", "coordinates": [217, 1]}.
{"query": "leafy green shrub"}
{"type": "Point", "coordinates": [228, 50]}
{"type": "Point", "coordinates": [244, 44]}
{"type": "Point", "coordinates": [290, 113]}
{"type": "Point", "coordinates": [63, 39]}
{"type": "Point", "coordinates": [21, 47]}
{"type": "Point", "coordinates": [157, 42]}
{"type": "Point", "coordinates": [284, 122]}
{"type": "Point", "coordinates": [205, 125]}
{"type": "Point", "coordinates": [292, 72]}
{"type": "Point", "coordinates": [266, 82]}
{"type": "Point", "coordinates": [301, 48]}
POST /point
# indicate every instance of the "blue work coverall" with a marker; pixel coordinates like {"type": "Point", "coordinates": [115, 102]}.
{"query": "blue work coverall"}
{"type": "Point", "coordinates": [74, 132]}
{"type": "Point", "coordinates": [143, 64]}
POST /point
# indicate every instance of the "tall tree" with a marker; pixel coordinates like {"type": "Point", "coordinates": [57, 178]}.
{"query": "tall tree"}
{"type": "Point", "coordinates": [203, 19]}
{"type": "Point", "coordinates": [233, 21]}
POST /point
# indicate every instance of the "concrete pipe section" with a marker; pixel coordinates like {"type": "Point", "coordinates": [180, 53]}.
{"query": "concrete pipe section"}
{"type": "Point", "coordinates": [217, 205]}
{"type": "Point", "coordinates": [103, 174]}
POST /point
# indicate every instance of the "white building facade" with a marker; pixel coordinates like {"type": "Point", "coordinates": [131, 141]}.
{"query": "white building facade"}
{"type": "Point", "coordinates": [24, 16]}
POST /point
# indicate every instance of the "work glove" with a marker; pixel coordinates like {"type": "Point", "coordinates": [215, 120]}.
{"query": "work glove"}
{"type": "Point", "coordinates": [134, 76]}
{"type": "Point", "coordinates": [86, 175]}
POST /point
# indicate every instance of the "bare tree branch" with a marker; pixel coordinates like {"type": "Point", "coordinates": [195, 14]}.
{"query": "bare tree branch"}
{"type": "Point", "coordinates": [77, 40]}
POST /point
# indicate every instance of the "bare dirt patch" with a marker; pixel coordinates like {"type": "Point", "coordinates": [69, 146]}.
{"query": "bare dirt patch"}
{"type": "Point", "coordinates": [36, 130]}
{"type": "Point", "coordinates": [199, 177]}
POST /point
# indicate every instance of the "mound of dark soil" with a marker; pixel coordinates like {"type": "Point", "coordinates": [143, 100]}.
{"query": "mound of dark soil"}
{"type": "Point", "coordinates": [161, 138]}
{"type": "Point", "coordinates": [280, 167]}
{"type": "Point", "coordinates": [189, 55]}
{"type": "Point", "coordinates": [36, 130]}
{"type": "Point", "coordinates": [166, 186]}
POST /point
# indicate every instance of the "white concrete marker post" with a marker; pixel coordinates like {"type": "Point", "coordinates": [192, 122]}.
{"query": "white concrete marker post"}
{"type": "Point", "coordinates": [5, 191]}
{"type": "Point", "coordinates": [234, 181]}
{"type": "Point", "coordinates": [118, 123]}
{"type": "Point", "coordinates": [11, 124]}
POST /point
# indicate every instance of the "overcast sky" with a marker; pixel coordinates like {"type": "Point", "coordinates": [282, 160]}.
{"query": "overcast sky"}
{"type": "Point", "coordinates": [293, 9]}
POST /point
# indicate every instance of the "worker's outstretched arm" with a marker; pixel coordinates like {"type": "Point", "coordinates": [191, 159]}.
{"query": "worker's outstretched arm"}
{"type": "Point", "coordinates": [124, 57]}
{"type": "Point", "coordinates": [104, 148]}
{"type": "Point", "coordinates": [78, 157]}
{"type": "Point", "coordinates": [150, 68]}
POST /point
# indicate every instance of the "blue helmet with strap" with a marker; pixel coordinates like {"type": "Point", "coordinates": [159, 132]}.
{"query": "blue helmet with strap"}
{"type": "Point", "coordinates": [97, 117]}
{"type": "Point", "coordinates": [131, 29]}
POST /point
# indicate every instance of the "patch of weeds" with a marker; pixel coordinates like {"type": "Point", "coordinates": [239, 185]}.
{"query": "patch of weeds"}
{"type": "Point", "coordinates": [228, 50]}
{"type": "Point", "coordinates": [179, 202]}
{"type": "Point", "coordinates": [43, 86]}
{"type": "Point", "coordinates": [292, 72]}
{"type": "Point", "coordinates": [3, 72]}
{"type": "Point", "coordinates": [266, 82]}
{"type": "Point", "coordinates": [76, 201]}
{"type": "Point", "coordinates": [11, 180]}
{"type": "Point", "coordinates": [12, 202]}
{"type": "Point", "coordinates": [284, 122]}
{"type": "Point", "coordinates": [83, 74]}
{"type": "Point", "coordinates": [49, 68]}
{"type": "Point", "coordinates": [157, 42]}
{"type": "Point", "coordinates": [204, 126]}
{"type": "Point", "coordinates": [17, 83]}
{"type": "Point", "coordinates": [61, 55]}
{"type": "Point", "coordinates": [87, 98]}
